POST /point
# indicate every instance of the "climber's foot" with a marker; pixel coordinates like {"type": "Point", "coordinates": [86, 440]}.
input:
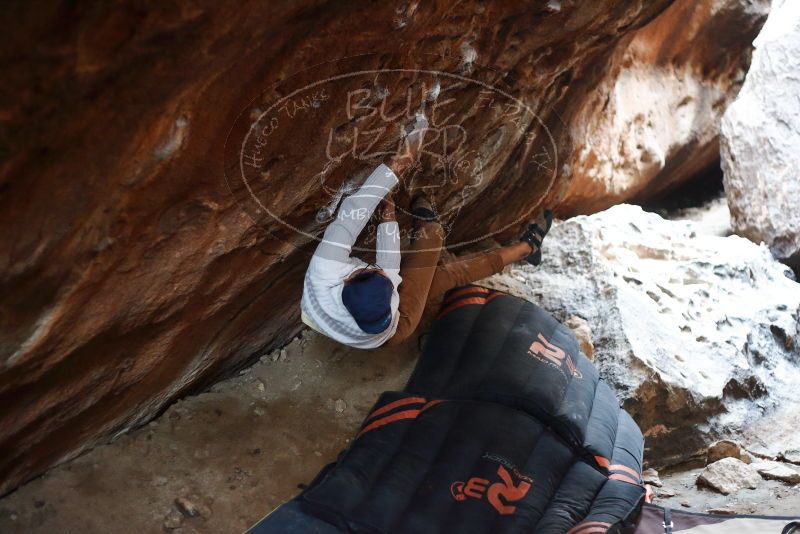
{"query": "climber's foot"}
{"type": "Point", "coordinates": [534, 236]}
{"type": "Point", "coordinates": [421, 209]}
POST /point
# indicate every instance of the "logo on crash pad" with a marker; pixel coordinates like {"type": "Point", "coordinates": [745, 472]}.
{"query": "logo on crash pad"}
{"type": "Point", "coordinates": [499, 494]}
{"type": "Point", "coordinates": [545, 351]}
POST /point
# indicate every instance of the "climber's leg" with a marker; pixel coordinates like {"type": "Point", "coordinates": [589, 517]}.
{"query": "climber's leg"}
{"type": "Point", "coordinates": [417, 268]}
{"type": "Point", "coordinates": [474, 267]}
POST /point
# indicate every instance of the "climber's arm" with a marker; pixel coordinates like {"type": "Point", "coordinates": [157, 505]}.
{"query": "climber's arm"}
{"type": "Point", "coordinates": [387, 253]}
{"type": "Point", "coordinates": [354, 213]}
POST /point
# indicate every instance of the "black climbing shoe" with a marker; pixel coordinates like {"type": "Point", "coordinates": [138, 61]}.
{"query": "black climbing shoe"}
{"type": "Point", "coordinates": [421, 209]}
{"type": "Point", "coordinates": [534, 236]}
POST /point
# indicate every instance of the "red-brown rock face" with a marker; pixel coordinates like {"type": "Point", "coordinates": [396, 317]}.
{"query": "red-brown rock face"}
{"type": "Point", "coordinates": [131, 271]}
{"type": "Point", "coordinates": [653, 120]}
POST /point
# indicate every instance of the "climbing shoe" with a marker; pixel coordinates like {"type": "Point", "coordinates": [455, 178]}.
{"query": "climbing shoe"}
{"type": "Point", "coordinates": [421, 209]}
{"type": "Point", "coordinates": [534, 236]}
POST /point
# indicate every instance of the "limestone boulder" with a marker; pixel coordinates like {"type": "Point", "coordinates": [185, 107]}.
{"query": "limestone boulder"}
{"type": "Point", "coordinates": [778, 471]}
{"type": "Point", "coordinates": [728, 475]}
{"type": "Point", "coordinates": [760, 136]}
{"type": "Point", "coordinates": [699, 334]}
{"type": "Point", "coordinates": [726, 448]}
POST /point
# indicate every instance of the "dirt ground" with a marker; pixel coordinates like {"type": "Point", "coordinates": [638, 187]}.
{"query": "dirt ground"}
{"type": "Point", "coordinates": [234, 452]}
{"type": "Point", "coordinates": [770, 498]}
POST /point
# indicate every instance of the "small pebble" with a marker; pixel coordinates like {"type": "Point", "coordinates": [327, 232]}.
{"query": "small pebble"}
{"type": "Point", "coordinates": [666, 492]}
{"type": "Point", "coordinates": [650, 476]}
{"type": "Point", "coordinates": [192, 507]}
{"type": "Point", "coordinates": [173, 520]}
{"type": "Point", "coordinates": [721, 511]}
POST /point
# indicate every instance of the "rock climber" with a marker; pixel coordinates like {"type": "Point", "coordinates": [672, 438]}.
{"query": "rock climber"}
{"type": "Point", "coordinates": [368, 305]}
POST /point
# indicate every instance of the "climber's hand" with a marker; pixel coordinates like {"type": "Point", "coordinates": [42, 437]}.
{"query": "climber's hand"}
{"type": "Point", "coordinates": [387, 210]}
{"type": "Point", "coordinates": [410, 146]}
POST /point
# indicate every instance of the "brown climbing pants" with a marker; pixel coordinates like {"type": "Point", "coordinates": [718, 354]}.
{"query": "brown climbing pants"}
{"type": "Point", "coordinates": [425, 280]}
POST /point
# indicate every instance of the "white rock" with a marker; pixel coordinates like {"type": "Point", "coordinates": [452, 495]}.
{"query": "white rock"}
{"type": "Point", "coordinates": [186, 507]}
{"type": "Point", "coordinates": [193, 506]}
{"type": "Point", "coordinates": [650, 476]}
{"type": "Point", "coordinates": [690, 329]}
{"type": "Point", "coordinates": [260, 387]}
{"type": "Point", "coordinates": [760, 139]}
{"type": "Point", "coordinates": [777, 471]}
{"type": "Point", "coordinates": [666, 492]}
{"type": "Point", "coordinates": [729, 475]}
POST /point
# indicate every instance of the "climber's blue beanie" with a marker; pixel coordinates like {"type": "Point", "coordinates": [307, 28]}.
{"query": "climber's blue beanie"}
{"type": "Point", "coordinates": [368, 298]}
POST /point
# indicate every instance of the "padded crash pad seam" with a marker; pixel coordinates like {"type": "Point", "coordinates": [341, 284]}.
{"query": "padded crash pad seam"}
{"type": "Point", "coordinates": [502, 346]}
{"type": "Point", "coordinates": [439, 453]}
{"type": "Point", "coordinates": [400, 449]}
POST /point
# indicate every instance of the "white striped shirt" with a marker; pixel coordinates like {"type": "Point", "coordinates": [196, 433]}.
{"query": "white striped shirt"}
{"type": "Point", "coordinates": [321, 306]}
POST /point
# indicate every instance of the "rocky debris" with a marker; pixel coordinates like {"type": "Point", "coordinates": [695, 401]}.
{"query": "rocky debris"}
{"type": "Point", "coordinates": [580, 327]}
{"type": "Point", "coordinates": [278, 355]}
{"type": "Point", "coordinates": [689, 328]}
{"type": "Point", "coordinates": [760, 133]}
{"type": "Point", "coordinates": [726, 449]}
{"type": "Point", "coordinates": [721, 511]}
{"type": "Point", "coordinates": [650, 476]}
{"type": "Point", "coordinates": [791, 456]}
{"type": "Point", "coordinates": [173, 519]}
{"type": "Point", "coordinates": [148, 257]}
{"type": "Point", "coordinates": [192, 506]}
{"type": "Point", "coordinates": [728, 475]}
{"type": "Point", "coordinates": [666, 492]}
{"type": "Point", "coordinates": [771, 497]}
{"type": "Point", "coordinates": [777, 471]}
